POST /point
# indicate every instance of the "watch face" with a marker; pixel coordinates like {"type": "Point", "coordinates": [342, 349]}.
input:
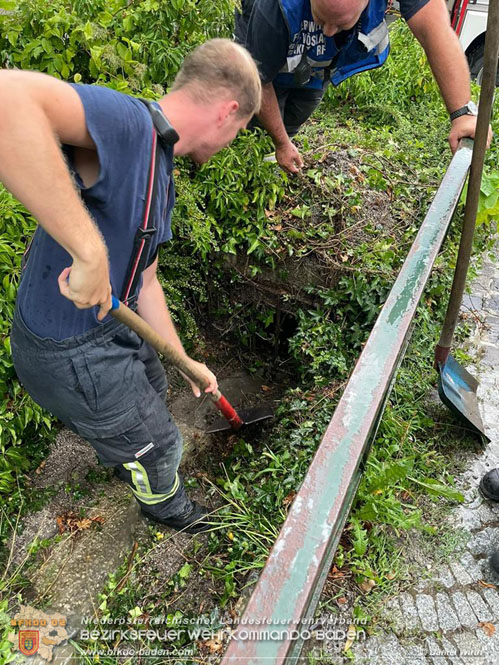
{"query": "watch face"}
{"type": "Point", "coordinates": [472, 108]}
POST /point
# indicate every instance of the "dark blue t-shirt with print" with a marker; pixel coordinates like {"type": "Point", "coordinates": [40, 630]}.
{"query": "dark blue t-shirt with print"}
{"type": "Point", "coordinates": [122, 130]}
{"type": "Point", "coordinates": [260, 26]}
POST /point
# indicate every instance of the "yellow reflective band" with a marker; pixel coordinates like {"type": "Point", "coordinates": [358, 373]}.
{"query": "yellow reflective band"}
{"type": "Point", "coordinates": [138, 478]}
{"type": "Point", "coordinates": [142, 489]}
{"type": "Point", "coordinates": [144, 477]}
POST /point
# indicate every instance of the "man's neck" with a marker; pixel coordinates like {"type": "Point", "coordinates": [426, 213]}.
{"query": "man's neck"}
{"type": "Point", "coordinates": [185, 119]}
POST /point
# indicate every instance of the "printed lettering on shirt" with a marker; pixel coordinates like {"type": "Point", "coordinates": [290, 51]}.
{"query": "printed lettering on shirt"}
{"type": "Point", "coordinates": [309, 38]}
{"type": "Point", "coordinates": [309, 35]}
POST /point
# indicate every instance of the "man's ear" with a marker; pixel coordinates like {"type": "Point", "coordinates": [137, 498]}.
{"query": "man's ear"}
{"type": "Point", "coordinates": [227, 110]}
{"type": "Point", "coordinates": [233, 107]}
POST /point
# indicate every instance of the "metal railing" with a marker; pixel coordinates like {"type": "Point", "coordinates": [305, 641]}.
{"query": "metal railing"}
{"type": "Point", "coordinates": [289, 587]}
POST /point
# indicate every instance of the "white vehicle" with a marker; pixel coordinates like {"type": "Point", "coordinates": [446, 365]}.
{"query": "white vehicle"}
{"type": "Point", "coordinates": [469, 20]}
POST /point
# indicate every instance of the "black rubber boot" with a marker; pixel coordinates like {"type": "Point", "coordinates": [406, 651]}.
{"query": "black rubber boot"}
{"type": "Point", "coordinates": [192, 522]}
{"type": "Point", "coordinates": [489, 485]}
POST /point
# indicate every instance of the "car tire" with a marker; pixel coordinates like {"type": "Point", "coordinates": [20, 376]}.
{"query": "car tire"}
{"type": "Point", "coordinates": [475, 61]}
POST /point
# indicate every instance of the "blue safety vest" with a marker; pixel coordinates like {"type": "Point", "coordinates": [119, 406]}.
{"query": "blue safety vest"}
{"type": "Point", "coordinates": [312, 55]}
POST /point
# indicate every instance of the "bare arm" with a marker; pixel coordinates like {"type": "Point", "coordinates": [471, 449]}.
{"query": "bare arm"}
{"type": "Point", "coordinates": [286, 153]}
{"type": "Point", "coordinates": [431, 27]}
{"type": "Point", "coordinates": [152, 308]}
{"type": "Point", "coordinates": [37, 114]}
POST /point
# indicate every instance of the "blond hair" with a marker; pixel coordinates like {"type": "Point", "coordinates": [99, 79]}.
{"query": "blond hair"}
{"type": "Point", "coordinates": [220, 65]}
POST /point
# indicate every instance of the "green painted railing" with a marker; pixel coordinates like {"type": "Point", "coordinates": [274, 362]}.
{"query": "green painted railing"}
{"type": "Point", "coordinates": [277, 617]}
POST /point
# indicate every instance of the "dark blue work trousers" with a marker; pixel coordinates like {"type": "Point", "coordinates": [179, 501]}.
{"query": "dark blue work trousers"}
{"type": "Point", "coordinates": [109, 386]}
{"type": "Point", "coordinates": [296, 105]}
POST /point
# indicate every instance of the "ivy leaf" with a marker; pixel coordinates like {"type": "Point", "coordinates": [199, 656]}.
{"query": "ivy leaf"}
{"type": "Point", "coordinates": [12, 36]}
{"type": "Point", "coordinates": [254, 245]}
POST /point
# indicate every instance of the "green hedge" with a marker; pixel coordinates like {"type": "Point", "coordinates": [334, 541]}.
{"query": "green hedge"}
{"type": "Point", "coordinates": [133, 46]}
{"type": "Point", "coordinates": [22, 422]}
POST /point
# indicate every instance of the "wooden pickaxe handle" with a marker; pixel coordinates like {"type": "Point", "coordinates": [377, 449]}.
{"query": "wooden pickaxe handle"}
{"type": "Point", "coordinates": [180, 360]}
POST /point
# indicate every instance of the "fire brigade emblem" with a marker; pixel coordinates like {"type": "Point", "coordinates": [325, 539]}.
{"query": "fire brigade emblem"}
{"type": "Point", "coordinates": [37, 632]}
{"type": "Point", "coordinates": [29, 641]}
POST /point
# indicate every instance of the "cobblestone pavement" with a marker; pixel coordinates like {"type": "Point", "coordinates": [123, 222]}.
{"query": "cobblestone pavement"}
{"type": "Point", "coordinates": [453, 617]}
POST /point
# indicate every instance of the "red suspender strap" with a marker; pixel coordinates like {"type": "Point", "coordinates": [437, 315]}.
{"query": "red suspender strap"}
{"type": "Point", "coordinates": [145, 231]}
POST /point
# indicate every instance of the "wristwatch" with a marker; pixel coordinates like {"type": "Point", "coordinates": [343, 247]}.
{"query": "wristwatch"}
{"type": "Point", "coordinates": [468, 109]}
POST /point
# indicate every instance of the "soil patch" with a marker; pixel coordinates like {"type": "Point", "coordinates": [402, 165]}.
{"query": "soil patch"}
{"type": "Point", "coordinates": [331, 208]}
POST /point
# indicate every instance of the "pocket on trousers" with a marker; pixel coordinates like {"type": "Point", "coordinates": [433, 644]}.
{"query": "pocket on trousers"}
{"type": "Point", "coordinates": [85, 384]}
{"type": "Point", "coordinates": [120, 438]}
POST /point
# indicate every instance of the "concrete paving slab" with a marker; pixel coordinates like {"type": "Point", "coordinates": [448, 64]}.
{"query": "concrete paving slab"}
{"type": "Point", "coordinates": [410, 612]}
{"type": "Point", "coordinates": [427, 613]}
{"type": "Point", "coordinates": [451, 651]}
{"type": "Point", "coordinates": [445, 577]}
{"type": "Point", "coordinates": [391, 652]}
{"type": "Point", "coordinates": [481, 610]}
{"type": "Point", "coordinates": [464, 610]}
{"type": "Point", "coordinates": [489, 642]}
{"type": "Point", "coordinates": [415, 655]}
{"type": "Point", "coordinates": [447, 618]}
{"type": "Point", "coordinates": [460, 573]}
{"type": "Point", "coordinates": [483, 542]}
{"type": "Point", "coordinates": [392, 614]}
{"type": "Point", "coordinates": [491, 597]}
{"type": "Point", "coordinates": [469, 648]}
{"type": "Point", "coordinates": [435, 652]}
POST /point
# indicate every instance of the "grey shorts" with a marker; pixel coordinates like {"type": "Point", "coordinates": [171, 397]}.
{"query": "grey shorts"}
{"type": "Point", "coordinates": [109, 386]}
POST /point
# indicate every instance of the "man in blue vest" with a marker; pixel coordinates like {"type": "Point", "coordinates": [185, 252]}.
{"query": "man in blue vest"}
{"type": "Point", "coordinates": [301, 46]}
{"type": "Point", "coordinates": [81, 158]}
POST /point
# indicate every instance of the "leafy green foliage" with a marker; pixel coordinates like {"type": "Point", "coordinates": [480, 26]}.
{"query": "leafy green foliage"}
{"type": "Point", "coordinates": [7, 654]}
{"type": "Point", "coordinates": [328, 339]}
{"type": "Point", "coordinates": [488, 202]}
{"type": "Point", "coordinates": [21, 420]}
{"type": "Point", "coordinates": [393, 125]}
{"type": "Point", "coordinates": [236, 188]}
{"type": "Point", "coordinates": [131, 46]}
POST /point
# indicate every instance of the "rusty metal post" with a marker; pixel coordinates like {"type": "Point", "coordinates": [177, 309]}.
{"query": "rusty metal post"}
{"type": "Point", "coordinates": [288, 590]}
